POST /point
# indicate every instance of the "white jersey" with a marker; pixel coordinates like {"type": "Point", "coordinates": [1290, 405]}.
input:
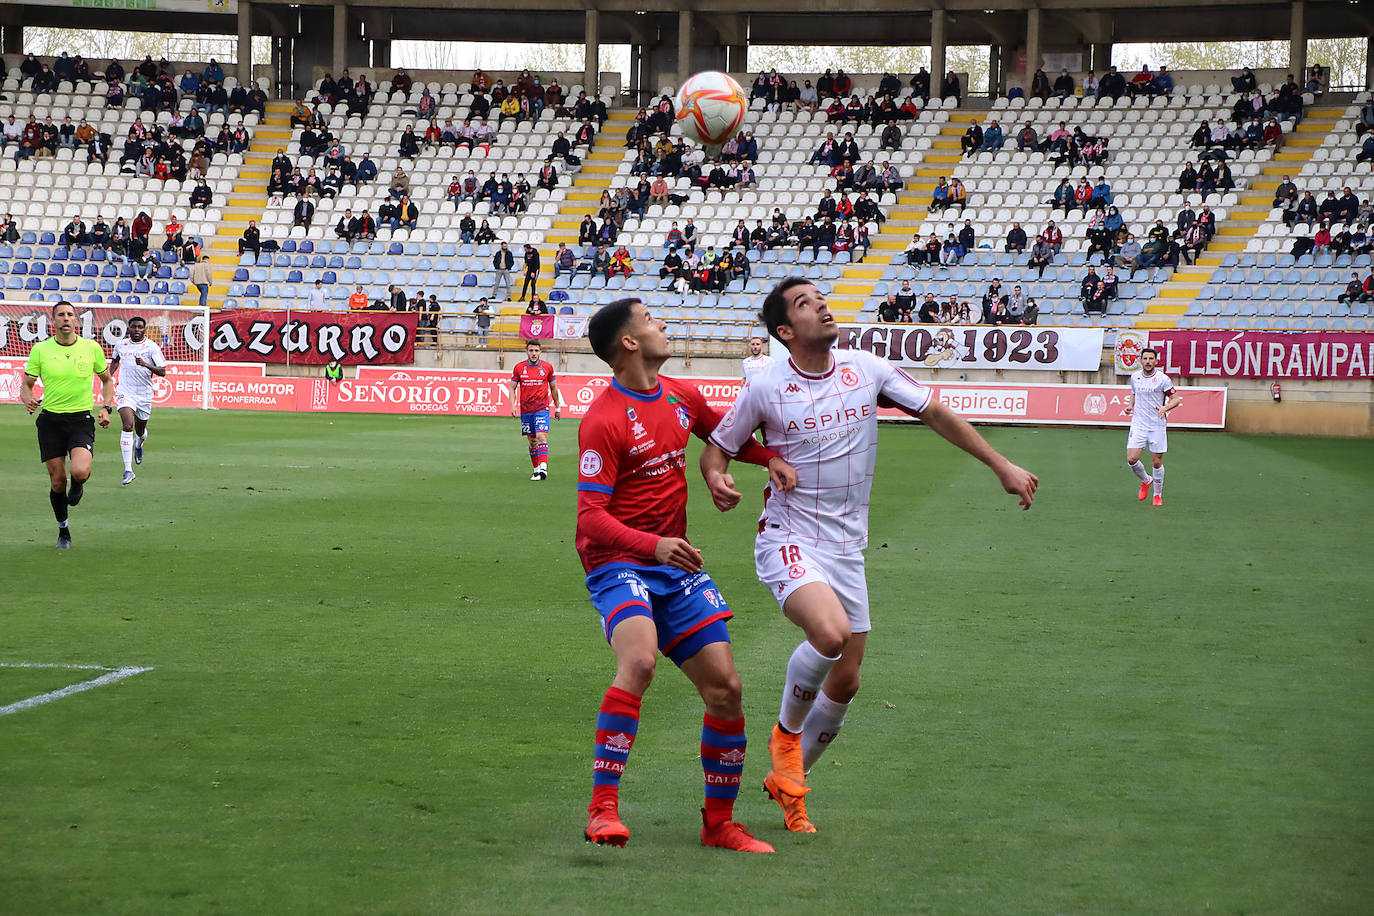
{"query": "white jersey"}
{"type": "Point", "coordinates": [135, 381]}
{"type": "Point", "coordinates": [1149, 392]}
{"type": "Point", "coordinates": [825, 426]}
{"type": "Point", "coordinates": [755, 364]}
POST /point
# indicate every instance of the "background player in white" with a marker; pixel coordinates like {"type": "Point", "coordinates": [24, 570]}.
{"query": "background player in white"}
{"type": "Point", "coordinates": [1152, 397]}
{"type": "Point", "coordinates": [757, 359]}
{"type": "Point", "coordinates": [818, 410]}
{"type": "Point", "coordinates": [140, 359]}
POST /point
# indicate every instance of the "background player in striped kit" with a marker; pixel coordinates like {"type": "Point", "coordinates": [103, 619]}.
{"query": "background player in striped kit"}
{"type": "Point", "coordinates": [645, 579]}
{"type": "Point", "coordinates": [134, 392]}
{"type": "Point", "coordinates": [819, 410]}
{"type": "Point", "coordinates": [1152, 397]}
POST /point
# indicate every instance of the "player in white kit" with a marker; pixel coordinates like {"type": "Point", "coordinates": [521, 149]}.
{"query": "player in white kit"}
{"type": "Point", "coordinates": [819, 410]}
{"type": "Point", "coordinates": [757, 359]}
{"type": "Point", "coordinates": [1152, 397]}
{"type": "Point", "coordinates": [138, 359]}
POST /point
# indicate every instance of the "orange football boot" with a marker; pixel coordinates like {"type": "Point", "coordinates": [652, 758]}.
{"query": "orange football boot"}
{"type": "Point", "coordinates": [604, 828]}
{"type": "Point", "coordinates": [1144, 491]}
{"type": "Point", "coordinates": [731, 835]}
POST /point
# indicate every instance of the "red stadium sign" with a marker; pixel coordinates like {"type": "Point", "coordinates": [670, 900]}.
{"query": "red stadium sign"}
{"type": "Point", "coordinates": [313, 338]}
{"type": "Point", "coordinates": [1265, 354]}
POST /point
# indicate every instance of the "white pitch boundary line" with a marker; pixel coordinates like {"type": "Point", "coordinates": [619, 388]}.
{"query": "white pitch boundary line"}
{"type": "Point", "coordinates": [111, 676]}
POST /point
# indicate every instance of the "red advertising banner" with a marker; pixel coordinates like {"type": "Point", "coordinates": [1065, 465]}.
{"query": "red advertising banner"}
{"type": "Point", "coordinates": [313, 338]}
{"type": "Point", "coordinates": [1265, 354]}
{"type": "Point", "coordinates": [180, 332]}
{"type": "Point", "coordinates": [456, 392]}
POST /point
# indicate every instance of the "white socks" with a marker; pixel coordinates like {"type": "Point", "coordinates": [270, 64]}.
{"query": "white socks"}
{"type": "Point", "coordinates": [1138, 469]}
{"type": "Point", "coordinates": [806, 671]}
{"type": "Point", "coordinates": [126, 448]}
{"type": "Point", "coordinates": [1159, 481]}
{"type": "Point", "coordinates": [822, 725]}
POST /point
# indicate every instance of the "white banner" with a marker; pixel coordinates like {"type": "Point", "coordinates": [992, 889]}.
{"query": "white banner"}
{"type": "Point", "coordinates": [938, 346]}
{"type": "Point", "coordinates": [570, 327]}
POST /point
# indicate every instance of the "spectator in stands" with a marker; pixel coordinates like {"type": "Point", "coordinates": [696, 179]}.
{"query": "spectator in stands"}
{"type": "Point", "coordinates": [915, 251]}
{"type": "Point", "coordinates": [888, 312]}
{"type": "Point", "coordinates": [972, 140]}
{"type": "Point", "coordinates": [1082, 196]}
{"type": "Point", "coordinates": [1026, 137]}
{"type": "Point", "coordinates": [1016, 239]}
{"type": "Point", "coordinates": [1321, 239]}
{"type": "Point", "coordinates": [530, 272]}
{"type": "Point", "coordinates": [172, 234]}
{"type": "Point", "coordinates": [992, 138]}
{"type": "Point", "coordinates": [251, 240]}
{"type": "Point", "coordinates": [409, 144]}
{"type": "Point", "coordinates": [400, 184]}
{"type": "Point", "coordinates": [1112, 85]}
{"type": "Point", "coordinates": [347, 226]}
{"type": "Point", "coordinates": [967, 237]}
{"type": "Point", "coordinates": [950, 89]}
{"type": "Point", "coordinates": [1052, 234]}
{"type": "Point", "coordinates": [537, 306]}
{"type": "Point", "coordinates": [892, 137]}
{"type": "Point", "coordinates": [200, 195]}
{"type": "Point", "coordinates": [120, 238]}
{"type": "Point", "coordinates": [1042, 255]}
{"type": "Point", "coordinates": [367, 171]}
{"type": "Point", "coordinates": [1347, 207]}
{"type": "Point", "coordinates": [303, 212]}
{"type": "Point", "coordinates": [1064, 196]}
{"type": "Point", "coordinates": [951, 252]}
{"type": "Point", "coordinates": [621, 263]}
{"type": "Point", "coordinates": [502, 262]}
{"type": "Point", "coordinates": [1063, 85]}
{"type": "Point", "coordinates": [74, 233]}
{"type": "Point", "coordinates": [1355, 290]}
{"type": "Point", "coordinates": [1129, 255]}
{"type": "Point", "coordinates": [100, 233]}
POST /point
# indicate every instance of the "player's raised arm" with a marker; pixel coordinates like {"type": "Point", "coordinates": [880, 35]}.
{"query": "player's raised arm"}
{"type": "Point", "coordinates": [958, 431]}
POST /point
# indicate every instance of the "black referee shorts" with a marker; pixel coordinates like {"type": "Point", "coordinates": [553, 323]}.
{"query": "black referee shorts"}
{"type": "Point", "coordinates": [59, 433]}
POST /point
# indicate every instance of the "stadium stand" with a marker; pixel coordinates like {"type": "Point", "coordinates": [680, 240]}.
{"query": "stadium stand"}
{"type": "Point", "coordinates": [1247, 276]}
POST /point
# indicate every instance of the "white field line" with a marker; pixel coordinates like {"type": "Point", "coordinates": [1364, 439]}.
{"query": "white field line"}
{"type": "Point", "coordinates": [111, 676]}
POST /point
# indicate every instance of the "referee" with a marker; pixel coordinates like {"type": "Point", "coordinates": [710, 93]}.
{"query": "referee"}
{"type": "Point", "coordinates": [66, 432]}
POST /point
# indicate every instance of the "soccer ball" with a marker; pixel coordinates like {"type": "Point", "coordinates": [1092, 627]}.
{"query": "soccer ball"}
{"type": "Point", "coordinates": [710, 108]}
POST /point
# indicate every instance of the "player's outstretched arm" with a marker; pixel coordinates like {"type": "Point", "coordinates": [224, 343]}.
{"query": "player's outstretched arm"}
{"type": "Point", "coordinates": [955, 429]}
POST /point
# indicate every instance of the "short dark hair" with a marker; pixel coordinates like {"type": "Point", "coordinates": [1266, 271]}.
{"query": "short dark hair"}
{"type": "Point", "coordinates": [774, 310]}
{"type": "Point", "coordinates": [134, 318]}
{"type": "Point", "coordinates": [58, 304]}
{"type": "Point", "coordinates": [604, 328]}
{"type": "Point", "coordinates": [1150, 350]}
{"type": "Point", "coordinates": [533, 343]}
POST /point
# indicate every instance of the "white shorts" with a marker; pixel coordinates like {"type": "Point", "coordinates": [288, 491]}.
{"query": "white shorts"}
{"type": "Point", "coordinates": [1156, 440]}
{"type": "Point", "coordinates": [142, 407]}
{"type": "Point", "coordinates": [785, 566]}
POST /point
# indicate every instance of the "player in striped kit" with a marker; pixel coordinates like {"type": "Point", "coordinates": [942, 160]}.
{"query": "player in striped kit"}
{"type": "Point", "coordinates": [532, 386]}
{"type": "Point", "coordinates": [140, 359]}
{"type": "Point", "coordinates": [645, 578]}
{"type": "Point", "coordinates": [819, 411]}
{"type": "Point", "coordinates": [1152, 398]}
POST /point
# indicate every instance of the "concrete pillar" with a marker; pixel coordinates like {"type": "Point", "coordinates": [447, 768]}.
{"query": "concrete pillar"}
{"type": "Point", "coordinates": [937, 52]}
{"type": "Point", "coordinates": [1006, 65]}
{"type": "Point", "coordinates": [1032, 44]}
{"type": "Point", "coordinates": [381, 52]}
{"type": "Point", "coordinates": [591, 78]}
{"type": "Point", "coordinates": [1369, 62]}
{"type": "Point", "coordinates": [737, 58]}
{"type": "Point", "coordinates": [636, 62]}
{"type": "Point", "coordinates": [245, 48]}
{"type": "Point", "coordinates": [1297, 41]}
{"type": "Point", "coordinates": [684, 46]}
{"type": "Point", "coordinates": [338, 60]}
{"type": "Point", "coordinates": [1102, 57]}
{"type": "Point", "coordinates": [13, 39]}
{"type": "Point", "coordinates": [995, 75]}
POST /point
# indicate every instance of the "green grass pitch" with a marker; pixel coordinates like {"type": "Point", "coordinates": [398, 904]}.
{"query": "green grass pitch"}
{"type": "Point", "coordinates": [376, 673]}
